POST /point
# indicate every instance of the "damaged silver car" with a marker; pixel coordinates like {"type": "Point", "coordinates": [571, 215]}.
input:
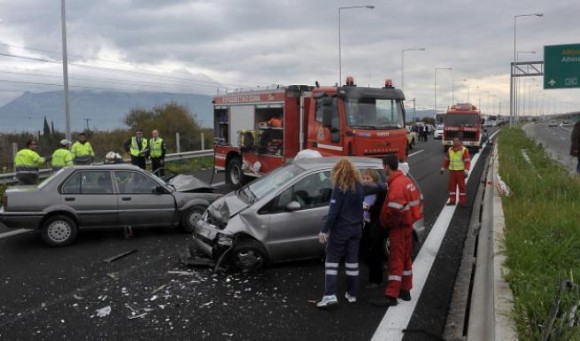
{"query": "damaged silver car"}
{"type": "Point", "coordinates": [276, 218]}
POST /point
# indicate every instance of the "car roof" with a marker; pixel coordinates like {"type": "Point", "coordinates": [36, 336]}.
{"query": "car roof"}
{"type": "Point", "coordinates": [114, 166]}
{"type": "Point", "coordinates": [330, 161]}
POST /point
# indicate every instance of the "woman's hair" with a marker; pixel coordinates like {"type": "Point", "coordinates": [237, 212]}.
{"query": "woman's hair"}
{"type": "Point", "coordinates": [371, 173]}
{"type": "Point", "coordinates": [345, 175]}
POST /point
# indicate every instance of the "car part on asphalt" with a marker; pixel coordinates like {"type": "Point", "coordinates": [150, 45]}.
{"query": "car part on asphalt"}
{"type": "Point", "coordinates": [119, 256]}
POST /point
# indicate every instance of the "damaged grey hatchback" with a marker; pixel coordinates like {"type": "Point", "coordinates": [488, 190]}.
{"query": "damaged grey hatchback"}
{"type": "Point", "coordinates": [276, 218]}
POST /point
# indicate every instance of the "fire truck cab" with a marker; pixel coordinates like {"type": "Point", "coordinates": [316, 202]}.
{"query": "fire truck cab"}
{"type": "Point", "coordinates": [258, 131]}
{"type": "Point", "coordinates": [463, 120]}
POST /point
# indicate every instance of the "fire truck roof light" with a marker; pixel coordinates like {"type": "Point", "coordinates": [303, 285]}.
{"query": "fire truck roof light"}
{"type": "Point", "coordinates": [349, 81]}
{"type": "Point", "coordinates": [389, 83]}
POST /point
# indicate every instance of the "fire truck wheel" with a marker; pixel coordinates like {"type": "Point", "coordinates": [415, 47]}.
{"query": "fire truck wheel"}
{"type": "Point", "coordinates": [234, 175]}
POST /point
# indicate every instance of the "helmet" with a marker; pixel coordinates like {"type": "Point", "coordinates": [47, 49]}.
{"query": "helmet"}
{"type": "Point", "coordinates": [65, 142]}
{"type": "Point", "coordinates": [110, 157]}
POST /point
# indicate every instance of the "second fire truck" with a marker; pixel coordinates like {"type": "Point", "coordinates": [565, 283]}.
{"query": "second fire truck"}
{"type": "Point", "coordinates": [258, 131]}
{"type": "Point", "coordinates": [463, 120]}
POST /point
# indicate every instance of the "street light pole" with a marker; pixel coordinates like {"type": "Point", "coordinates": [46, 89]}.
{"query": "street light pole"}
{"type": "Point", "coordinates": [512, 80]}
{"type": "Point", "coordinates": [517, 85]}
{"type": "Point", "coordinates": [339, 43]}
{"type": "Point", "coordinates": [438, 68]}
{"type": "Point", "coordinates": [65, 72]}
{"type": "Point", "coordinates": [403, 64]}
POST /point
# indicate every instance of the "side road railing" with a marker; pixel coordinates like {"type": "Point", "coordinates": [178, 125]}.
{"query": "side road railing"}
{"type": "Point", "coordinates": [8, 178]}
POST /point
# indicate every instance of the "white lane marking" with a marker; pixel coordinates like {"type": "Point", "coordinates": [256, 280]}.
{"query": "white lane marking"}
{"type": "Point", "coordinates": [218, 184]}
{"type": "Point", "coordinates": [397, 318]}
{"type": "Point", "coordinates": [415, 153]}
{"type": "Point", "coordinates": [13, 233]}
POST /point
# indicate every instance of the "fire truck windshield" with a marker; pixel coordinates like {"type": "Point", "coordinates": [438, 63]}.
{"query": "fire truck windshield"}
{"type": "Point", "coordinates": [455, 120]}
{"type": "Point", "coordinates": [372, 113]}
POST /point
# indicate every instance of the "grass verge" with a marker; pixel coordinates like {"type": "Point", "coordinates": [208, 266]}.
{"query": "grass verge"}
{"type": "Point", "coordinates": [542, 241]}
{"type": "Point", "coordinates": [190, 165]}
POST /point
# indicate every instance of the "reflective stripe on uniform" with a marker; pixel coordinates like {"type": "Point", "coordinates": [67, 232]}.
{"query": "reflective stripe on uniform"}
{"type": "Point", "coordinates": [351, 265]}
{"type": "Point", "coordinates": [351, 273]}
{"type": "Point", "coordinates": [396, 205]}
{"type": "Point", "coordinates": [395, 278]}
{"type": "Point", "coordinates": [331, 272]}
{"type": "Point", "coordinates": [407, 273]}
{"type": "Point", "coordinates": [415, 203]}
{"type": "Point", "coordinates": [331, 265]}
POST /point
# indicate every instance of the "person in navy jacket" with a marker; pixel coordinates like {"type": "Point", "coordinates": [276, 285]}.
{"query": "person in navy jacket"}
{"type": "Point", "coordinates": [342, 231]}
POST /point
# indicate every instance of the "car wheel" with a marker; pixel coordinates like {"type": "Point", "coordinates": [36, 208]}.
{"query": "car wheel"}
{"type": "Point", "coordinates": [234, 175]}
{"type": "Point", "coordinates": [248, 255]}
{"type": "Point", "coordinates": [191, 216]}
{"type": "Point", "coordinates": [59, 230]}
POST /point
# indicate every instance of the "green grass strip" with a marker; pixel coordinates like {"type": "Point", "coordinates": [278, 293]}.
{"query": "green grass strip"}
{"type": "Point", "coordinates": [542, 231]}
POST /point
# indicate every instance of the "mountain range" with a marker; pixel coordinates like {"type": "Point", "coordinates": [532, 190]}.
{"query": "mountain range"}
{"type": "Point", "coordinates": [102, 110]}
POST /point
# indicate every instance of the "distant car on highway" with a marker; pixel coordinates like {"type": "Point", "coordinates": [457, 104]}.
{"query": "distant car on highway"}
{"type": "Point", "coordinates": [438, 133]}
{"type": "Point", "coordinates": [104, 196]}
{"type": "Point", "coordinates": [552, 123]}
{"type": "Point", "coordinates": [277, 217]}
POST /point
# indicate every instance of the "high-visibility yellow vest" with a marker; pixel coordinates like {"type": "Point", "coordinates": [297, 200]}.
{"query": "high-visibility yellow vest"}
{"type": "Point", "coordinates": [62, 158]}
{"type": "Point", "coordinates": [27, 161]}
{"type": "Point", "coordinates": [456, 159]}
{"type": "Point", "coordinates": [82, 149]}
{"type": "Point", "coordinates": [156, 147]}
{"type": "Point", "coordinates": [135, 151]}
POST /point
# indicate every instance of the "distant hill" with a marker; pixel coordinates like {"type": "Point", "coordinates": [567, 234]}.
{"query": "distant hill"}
{"type": "Point", "coordinates": [105, 110]}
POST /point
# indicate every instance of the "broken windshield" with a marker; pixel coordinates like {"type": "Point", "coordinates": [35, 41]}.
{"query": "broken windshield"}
{"type": "Point", "coordinates": [372, 113]}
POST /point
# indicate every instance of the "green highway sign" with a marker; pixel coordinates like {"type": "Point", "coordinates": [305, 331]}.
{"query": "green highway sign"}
{"type": "Point", "coordinates": [562, 66]}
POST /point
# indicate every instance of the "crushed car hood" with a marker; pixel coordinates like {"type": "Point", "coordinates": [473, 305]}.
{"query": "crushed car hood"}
{"type": "Point", "coordinates": [230, 205]}
{"type": "Point", "coordinates": [189, 183]}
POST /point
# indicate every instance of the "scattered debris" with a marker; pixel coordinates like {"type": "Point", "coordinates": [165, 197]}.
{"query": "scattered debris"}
{"type": "Point", "coordinates": [153, 298]}
{"type": "Point", "coordinates": [137, 316]}
{"type": "Point", "coordinates": [103, 312]}
{"type": "Point", "coordinates": [77, 297]}
{"type": "Point", "coordinates": [114, 275]}
{"type": "Point", "coordinates": [119, 256]}
{"type": "Point", "coordinates": [159, 289]}
{"type": "Point", "coordinates": [185, 273]}
{"type": "Point", "coordinates": [502, 187]}
{"type": "Point", "coordinates": [312, 301]}
{"type": "Point", "coordinates": [206, 304]}
{"type": "Point", "coordinates": [133, 310]}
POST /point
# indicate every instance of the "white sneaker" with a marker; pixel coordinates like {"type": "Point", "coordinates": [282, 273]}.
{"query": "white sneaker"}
{"type": "Point", "coordinates": [349, 298]}
{"type": "Point", "coordinates": [327, 301]}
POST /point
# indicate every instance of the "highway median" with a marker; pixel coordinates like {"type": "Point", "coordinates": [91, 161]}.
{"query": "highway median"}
{"type": "Point", "coordinates": [542, 237]}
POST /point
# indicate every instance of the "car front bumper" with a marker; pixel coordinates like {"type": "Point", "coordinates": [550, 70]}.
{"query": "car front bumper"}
{"type": "Point", "coordinates": [211, 241]}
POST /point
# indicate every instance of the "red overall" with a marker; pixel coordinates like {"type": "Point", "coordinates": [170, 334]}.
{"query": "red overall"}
{"type": "Point", "coordinates": [397, 218]}
{"type": "Point", "coordinates": [458, 161]}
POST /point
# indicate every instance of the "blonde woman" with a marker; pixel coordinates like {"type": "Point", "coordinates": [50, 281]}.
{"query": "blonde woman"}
{"type": "Point", "coordinates": [342, 231]}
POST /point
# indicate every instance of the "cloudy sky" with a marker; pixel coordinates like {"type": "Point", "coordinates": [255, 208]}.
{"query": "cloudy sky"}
{"type": "Point", "coordinates": [205, 45]}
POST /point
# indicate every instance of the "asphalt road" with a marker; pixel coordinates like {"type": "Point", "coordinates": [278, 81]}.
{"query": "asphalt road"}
{"type": "Point", "coordinates": [55, 293]}
{"type": "Point", "coordinates": [556, 141]}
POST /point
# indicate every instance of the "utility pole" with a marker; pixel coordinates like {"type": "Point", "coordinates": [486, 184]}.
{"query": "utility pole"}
{"type": "Point", "coordinates": [87, 121]}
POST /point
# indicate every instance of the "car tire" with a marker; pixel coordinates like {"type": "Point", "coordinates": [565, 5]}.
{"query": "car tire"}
{"type": "Point", "coordinates": [248, 255]}
{"type": "Point", "coordinates": [59, 230]}
{"type": "Point", "coordinates": [234, 175]}
{"type": "Point", "coordinates": [191, 216]}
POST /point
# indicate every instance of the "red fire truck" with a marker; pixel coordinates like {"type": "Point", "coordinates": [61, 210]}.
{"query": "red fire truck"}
{"type": "Point", "coordinates": [463, 120]}
{"type": "Point", "coordinates": [258, 131]}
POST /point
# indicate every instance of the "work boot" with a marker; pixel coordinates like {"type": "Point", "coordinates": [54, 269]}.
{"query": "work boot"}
{"type": "Point", "coordinates": [405, 295]}
{"type": "Point", "coordinates": [385, 301]}
{"type": "Point", "coordinates": [349, 298]}
{"type": "Point", "coordinates": [327, 301]}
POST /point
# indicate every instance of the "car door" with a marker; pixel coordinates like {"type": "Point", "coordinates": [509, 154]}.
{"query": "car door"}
{"type": "Point", "coordinates": [139, 204]}
{"type": "Point", "coordinates": [294, 234]}
{"type": "Point", "coordinates": [90, 194]}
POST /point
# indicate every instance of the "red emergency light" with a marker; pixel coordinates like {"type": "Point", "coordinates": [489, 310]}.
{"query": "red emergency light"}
{"type": "Point", "coordinates": [389, 83]}
{"type": "Point", "coordinates": [349, 81]}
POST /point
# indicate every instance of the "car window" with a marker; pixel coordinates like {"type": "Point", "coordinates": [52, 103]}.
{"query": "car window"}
{"type": "Point", "coordinates": [312, 191]}
{"type": "Point", "coordinates": [88, 182]}
{"type": "Point", "coordinates": [134, 183]}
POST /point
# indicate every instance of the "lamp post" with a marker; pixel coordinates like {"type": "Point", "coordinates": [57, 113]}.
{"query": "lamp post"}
{"type": "Point", "coordinates": [438, 68]}
{"type": "Point", "coordinates": [340, 9]}
{"type": "Point", "coordinates": [512, 81]}
{"type": "Point", "coordinates": [453, 89]}
{"type": "Point", "coordinates": [480, 109]}
{"type": "Point", "coordinates": [65, 71]}
{"type": "Point", "coordinates": [403, 64]}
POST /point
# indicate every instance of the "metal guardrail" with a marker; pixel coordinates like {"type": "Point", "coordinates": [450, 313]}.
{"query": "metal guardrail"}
{"type": "Point", "coordinates": [8, 178]}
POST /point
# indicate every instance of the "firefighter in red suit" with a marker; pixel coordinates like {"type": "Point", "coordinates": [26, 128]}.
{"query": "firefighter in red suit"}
{"type": "Point", "coordinates": [396, 216]}
{"type": "Point", "coordinates": [458, 162]}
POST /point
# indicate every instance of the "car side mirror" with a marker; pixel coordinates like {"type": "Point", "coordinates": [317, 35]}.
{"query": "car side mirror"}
{"type": "Point", "coordinates": [293, 206]}
{"type": "Point", "coordinates": [160, 190]}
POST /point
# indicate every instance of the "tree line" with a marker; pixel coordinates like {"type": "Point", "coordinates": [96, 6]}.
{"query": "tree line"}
{"type": "Point", "coordinates": [168, 119]}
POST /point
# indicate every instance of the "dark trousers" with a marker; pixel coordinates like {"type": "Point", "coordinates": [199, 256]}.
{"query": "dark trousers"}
{"type": "Point", "coordinates": [343, 241]}
{"type": "Point", "coordinates": [138, 161]}
{"type": "Point", "coordinates": [158, 166]}
{"type": "Point", "coordinates": [372, 251]}
{"type": "Point", "coordinates": [27, 179]}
